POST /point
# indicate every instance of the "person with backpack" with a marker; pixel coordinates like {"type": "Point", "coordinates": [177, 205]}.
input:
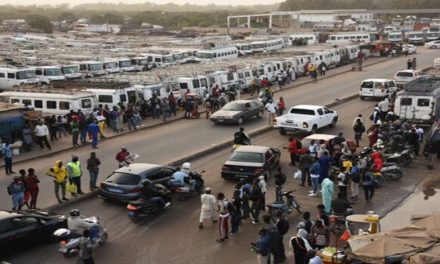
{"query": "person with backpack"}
{"type": "Point", "coordinates": [283, 227]}
{"type": "Point", "coordinates": [262, 246]}
{"type": "Point", "coordinates": [235, 211]}
{"type": "Point", "coordinates": [358, 129]}
{"type": "Point", "coordinates": [16, 189]}
{"type": "Point", "coordinates": [223, 209]}
{"type": "Point", "coordinates": [275, 239]}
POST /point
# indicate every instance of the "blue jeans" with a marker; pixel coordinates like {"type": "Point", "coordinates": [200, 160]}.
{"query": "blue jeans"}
{"type": "Point", "coordinates": [17, 200]}
{"type": "Point", "coordinates": [315, 184]}
{"type": "Point", "coordinates": [93, 178]}
{"type": "Point", "coordinates": [8, 165]}
{"type": "Point", "coordinates": [235, 222]}
{"type": "Point", "coordinates": [94, 141]}
{"type": "Point", "coordinates": [83, 136]}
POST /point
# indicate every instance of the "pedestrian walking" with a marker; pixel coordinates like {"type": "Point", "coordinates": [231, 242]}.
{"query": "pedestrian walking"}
{"type": "Point", "coordinates": [262, 246]}
{"type": "Point", "coordinates": [75, 132]}
{"type": "Point", "coordinates": [94, 131]}
{"type": "Point", "coordinates": [280, 180]}
{"type": "Point", "coordinates": [322, 68]}
{"type": "Point", "coordinates": [28, 139]}
{"type": "Point", "coordinates": [208, 210]}
{"type": "Point", "coordinates": [85, 253]}
{"type": "Point", "coordinates": [93, 167]}
{"type": "Point", "coordinates": [256, 198]}
{"type": "Point", "coordinates": [355, 175]}
{"type": "Point", "coordinates": [223, 209]}
{"type": "Point", "coordinates": [327, 188]}
{"type": "Point", "coordinates": [275, 239]}
{"type": "Point", "coordinates": [305, 162]}
{"type": "Point", "coordinates": [414, 64]}
{"type": "Point", "coordinates": [409, 64]}
{"type": "Point", "coordinates": [27, 194]}
{"type": "Point", "coordinates": [7, 156]}
{"type": "Point", "coordinates": [283, 227]}
{"type": "Point", "coordinates": [41, 132]}
{"type": "Point", "coordinates": [31, 182]}
{"type": "Point", "coordinates": [75, 173]}
{"type": "Point", "coordinates": [173, 104]}
{"type": "Point", "coordinates": [263, 186]}
{"type": "Point", "coordinates": [16, 190]}
{"type": "Point", "coordinates": [245, 198]}
{"type": "Point", "coordinates": [165, 108]}
{"type": "Point", "coordinates": [59, 173]}
{"type": "Point", "coordinates": [368, 184]}
{"type": "Point", "coordinates": [300, 246]}
{"type": "Point", "coordinates": [272, 110]}
{"type": "Point", "coordinates": [342, 183]}
{"type": "Point", "coordinates": [293, 150]}
{"type": "Point", "coordinates": [114, 119]}
{"type": "Point", "coordinates": [281, 106]}
{"type": "Point", "coordinates": [314, 176]}
{"type": "Point", "coordinates": [235, 211]}
{"type": "Point", "coordinates": [358, 129]}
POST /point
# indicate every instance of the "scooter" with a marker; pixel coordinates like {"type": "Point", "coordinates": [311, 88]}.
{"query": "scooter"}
{"type": "Point", "coordinates": [144, 207]}
{"type": "Point", "coordinates": [281, 206]}
{"type": "Point", "coordinates": [69, 242]}
{"type": "Point", "coordinates": [186, 191]}
{"type": "Point", "coordinates": [402, 158]}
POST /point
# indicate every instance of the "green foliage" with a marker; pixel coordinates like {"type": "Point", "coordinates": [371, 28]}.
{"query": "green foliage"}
{"type": "Point", "coordinates": [40, 22]}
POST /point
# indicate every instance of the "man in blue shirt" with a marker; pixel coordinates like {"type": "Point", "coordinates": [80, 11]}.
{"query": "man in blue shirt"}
{"type": "Point", "coordinates": [262, 246]}
{"type": "Point", "coordinates": [178, 177]}
{"type": "Point", "coordinates": [7, 155]}
{"type": "Point", "coordinates": [94, 131]}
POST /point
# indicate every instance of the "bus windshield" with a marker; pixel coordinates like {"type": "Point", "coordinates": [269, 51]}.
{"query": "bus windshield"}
{"type": "Point", "coordinates": [70, 69]}
{"type": "Point", "coordinates": [95, 67]}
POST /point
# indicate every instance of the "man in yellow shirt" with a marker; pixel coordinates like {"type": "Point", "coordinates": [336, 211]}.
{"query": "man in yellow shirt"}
{"type": "Point", "coordinates": [59, 173]}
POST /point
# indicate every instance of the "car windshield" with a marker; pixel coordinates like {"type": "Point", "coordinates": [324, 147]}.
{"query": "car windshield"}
{"type": "Point", "coordinates": [95, 67]}
{"type": "Point", "coordinates": [52, 72]}
{"type": "Point", "coordinates": [300, 111]}
{"type": "Point", "coordinates": [233, 107]}
{"type": "Point", "coordinates": [70, 69]}
{"type": "Point", "coordinates": [124, 178]}
{"type": "Point", "coordinates": [404, 74]}
{"type": "Point", "coordinates": [367, 85]}
{"type": "Point", "coordinates": [247, 157]}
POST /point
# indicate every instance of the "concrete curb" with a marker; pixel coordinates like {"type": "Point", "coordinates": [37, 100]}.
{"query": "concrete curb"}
{"type": "Point", "coordinates": [195, 155]}
{"type": "Point", "coordinates": [55, 152]}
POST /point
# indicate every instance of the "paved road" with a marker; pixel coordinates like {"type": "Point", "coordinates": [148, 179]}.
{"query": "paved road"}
{"type": "Point", "coordinates": [173, 236]}
{"type": "Point", "coordinates": [176, 140]}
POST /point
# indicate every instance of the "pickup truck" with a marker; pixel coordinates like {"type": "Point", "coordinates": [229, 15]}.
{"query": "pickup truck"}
{"type": "Point", "coordinates": [307, 118]}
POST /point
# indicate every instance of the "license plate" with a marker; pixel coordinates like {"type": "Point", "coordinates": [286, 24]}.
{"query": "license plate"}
{"type": "Point", "coordinates": [220, 120]}
{"type": "Point", "coordinates": [114, 190]}
{"type": "Point", "coordinates": [62, 250]}
{"type": "Point", "coordinates": [288, 124]}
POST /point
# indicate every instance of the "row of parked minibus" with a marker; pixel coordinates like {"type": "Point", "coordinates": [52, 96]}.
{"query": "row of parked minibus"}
{"type": "Point", "coordinates": [88, 94]}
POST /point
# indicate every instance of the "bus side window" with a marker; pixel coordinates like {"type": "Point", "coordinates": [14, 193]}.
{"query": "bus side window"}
{"type": "Point", "coordinates": [38, 104]}
{"type": "Point", "coordinates": [83, 67]}
{"type": "Point", "coordinates": [11, 75]}
{"type": "Point", "coordinates": [51, 104]}
{"type": "Point", "coordinates": [2, 75]}
{"type": "Point", "coordinates": [13, 101]}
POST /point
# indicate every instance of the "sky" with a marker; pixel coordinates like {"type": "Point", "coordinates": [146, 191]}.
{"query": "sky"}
{"type": "Point", "coordinates": [180, 2]}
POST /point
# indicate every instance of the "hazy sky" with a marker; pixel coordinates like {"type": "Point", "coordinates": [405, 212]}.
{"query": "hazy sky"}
{"type": "Point", "coordinates": [181, 2]}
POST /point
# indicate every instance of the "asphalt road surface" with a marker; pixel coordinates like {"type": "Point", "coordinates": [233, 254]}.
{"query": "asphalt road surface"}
{"type": "Point", "coordinates": [173, 236]}
{"type": "Point", "coordinates": [179, 139]}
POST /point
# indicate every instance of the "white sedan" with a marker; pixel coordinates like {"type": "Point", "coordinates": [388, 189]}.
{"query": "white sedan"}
{"type": "Point", "coordinates": [433, 44]}
{"type": "Point", "coordinates": [410, 48]}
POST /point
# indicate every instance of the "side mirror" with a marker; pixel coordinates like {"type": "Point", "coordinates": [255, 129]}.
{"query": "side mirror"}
{"type": "Point", "coordinates": [146, 183]}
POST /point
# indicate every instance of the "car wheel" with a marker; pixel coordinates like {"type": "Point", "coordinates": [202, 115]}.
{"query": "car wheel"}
{"type": "Point", "coordinates": [282, 131]}
{"type": "Point", "coordinates": [240, 120]}
{"type": "Point", "coordinates": [333, 123]}
{"type": "Point", "coordinates": [314, 129]}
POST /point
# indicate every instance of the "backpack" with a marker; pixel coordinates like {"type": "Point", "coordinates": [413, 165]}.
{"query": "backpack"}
{"type": "Point", "coordinates": [231, 207]}
{"type": "Point", "coordinates": [355, 174]}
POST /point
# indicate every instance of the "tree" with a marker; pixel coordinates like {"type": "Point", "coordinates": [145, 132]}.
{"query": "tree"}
{"type": "Point", "coordinates": [40, 22]}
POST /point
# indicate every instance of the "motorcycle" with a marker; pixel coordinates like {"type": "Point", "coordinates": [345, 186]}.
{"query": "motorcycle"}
{"type": "Point", "coordinates": [69, 242]}
{"type": "Point", "coordinates": [389, 171]}
{"type": "Point", "coordinates": [403, 158]}
{"type": "Point", "coordinates": [281, 206]}
{"type": "Point", "coordinates": [144, 207]}
{"type": "Point", "coordinates": [186, 191]}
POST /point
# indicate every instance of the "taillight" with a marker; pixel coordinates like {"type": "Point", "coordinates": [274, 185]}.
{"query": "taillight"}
{"type": "Point", "coordinates": [131, 207]}
{"type": "Point", "coordinates": [136, 190]}
{"type": "Point", "coordinates": [226, 168]}
{"type": "Point", "coordinates": [63, 243]}
{"type": "Point", "coordinates": [259, 171]}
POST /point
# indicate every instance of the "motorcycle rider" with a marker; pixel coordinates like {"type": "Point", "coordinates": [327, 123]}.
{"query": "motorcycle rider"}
{"type": "Point", "coordinates": [182, 177]}
{"type": "Point", "coordinates": [241, 138]}
{"type": "Point", "coordinates": [77, 224]}
{"type": "Point", "coordinates": [155, 193]}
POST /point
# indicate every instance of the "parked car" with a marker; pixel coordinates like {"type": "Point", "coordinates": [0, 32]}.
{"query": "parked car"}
{"type": "Point", "coordinates": [19, 230]}
{"type": "Point", "coordinates": [377, 88]}
{"type": "Point", "coordinates": [410, 48]}
{"type": "Point", "coordinates": [249, 162]}
{"type": "Point", "coordinates": [125, 184]}
{"type": "Point", "coordinates": [308, 118]}
{"type": "Point", "coordinates": [433, 44]}
{"type": "Point", "coordinates": [404, 76]}
{"type": "Point", "coordinates": [238, 111]}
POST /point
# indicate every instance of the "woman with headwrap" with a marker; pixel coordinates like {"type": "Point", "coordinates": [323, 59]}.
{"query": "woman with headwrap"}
{"type": "Point", "coordinates": [300, 245]}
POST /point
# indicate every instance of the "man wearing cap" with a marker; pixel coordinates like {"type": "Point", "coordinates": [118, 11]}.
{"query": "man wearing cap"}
{"type": "Point", "coordinates": [74, 171]}
{"type": "Point", "coordinates": [208, 210]}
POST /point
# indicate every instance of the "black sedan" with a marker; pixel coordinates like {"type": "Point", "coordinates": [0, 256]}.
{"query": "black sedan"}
{"type": "Point", "coordinates": [19, 230]}
{"type": "Point", "coordinates": [125, 184]}
{"type": "Point", "coordinates": [237, 111]}
{"type": "Point", "coordinates": [249, 162]}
